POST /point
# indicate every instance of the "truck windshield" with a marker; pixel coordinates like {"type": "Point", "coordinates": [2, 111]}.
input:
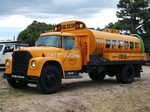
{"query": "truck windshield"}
{"type": "Point", "coordinates": [1, 47]}
{"type": "Point", "coordinates": [51, 40]}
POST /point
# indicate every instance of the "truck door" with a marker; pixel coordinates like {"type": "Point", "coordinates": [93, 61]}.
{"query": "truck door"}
{"type": "Point", "coordinates": [72, 56]}
{"type": "Point", "coordinates": [83, 45]}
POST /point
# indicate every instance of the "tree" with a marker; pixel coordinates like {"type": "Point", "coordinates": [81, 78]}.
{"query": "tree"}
{"type": "Point", "coordinates": [116, 25]}
{"type": "Point", "coordinates": [133, 13]}
{"type": "Point", "coordinates": [134, 17]}
{"type": "Point", "coordinates": [32, 32]}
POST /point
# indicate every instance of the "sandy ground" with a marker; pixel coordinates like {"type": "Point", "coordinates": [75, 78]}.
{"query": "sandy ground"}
{"type": "Point", "coordinates": [80, 95]}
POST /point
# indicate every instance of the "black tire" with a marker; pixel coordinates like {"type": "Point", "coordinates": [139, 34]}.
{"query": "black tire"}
{"type": "Point", "coordinates": [50, 80]}
{"type": "Point", "coordinates": [138, 70]}
{"type": "Point", "coordinates": [16, 83]}
{"type": "Point", "coordinates": [127, 74]}
{"type": "Point", "coordinates": [118, 77]}
{"type": "Point", "coordinates": [96, 77]}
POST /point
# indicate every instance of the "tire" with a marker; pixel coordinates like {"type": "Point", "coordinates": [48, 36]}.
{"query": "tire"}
{"type": "Point", "coordinates": [50, 80]}
{"type": "Point", "coordinates": [16, 83]}
{"type": "Point", "coordinates": [127, 74]}
{"type": "Point", "coordinates": [118, 77]}
{"type": "Point", "coordinates": [138, 70]}
{"type": "Point", "coordinates": [96, 77]}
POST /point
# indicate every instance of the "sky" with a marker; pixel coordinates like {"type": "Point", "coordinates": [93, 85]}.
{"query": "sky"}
{"type": "Point", "coordinates": [16, 15]}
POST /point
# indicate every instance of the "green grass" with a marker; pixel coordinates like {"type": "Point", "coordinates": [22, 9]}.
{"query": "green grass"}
{"type": "Point", "coordinates": [6, 92]}
{"type": "Point", "coordinates": [1, 108]}
{"type": "Point", "coordinates": [1, 78]}
{"type": "Point", "coordinates": [9, 92]}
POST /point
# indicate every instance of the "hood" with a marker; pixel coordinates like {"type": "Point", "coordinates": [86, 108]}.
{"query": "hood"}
{"type": "Point", "coordinates": [41, 51]}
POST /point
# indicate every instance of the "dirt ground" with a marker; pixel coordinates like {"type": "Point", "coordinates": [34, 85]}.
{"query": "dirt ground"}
{"type": "Point", "coordinates": [80, 95]}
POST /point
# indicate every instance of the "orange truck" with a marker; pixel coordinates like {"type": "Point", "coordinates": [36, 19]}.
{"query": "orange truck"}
{"type": "Point", "coordinates": [71, 49]}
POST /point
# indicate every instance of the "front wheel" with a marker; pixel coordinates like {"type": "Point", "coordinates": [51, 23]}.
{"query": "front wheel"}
{"type": "Point", "coordinates": [50, 79]}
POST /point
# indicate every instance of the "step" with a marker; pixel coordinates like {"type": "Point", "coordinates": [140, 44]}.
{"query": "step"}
{"type": "Point", "coordinates": [72, 75]}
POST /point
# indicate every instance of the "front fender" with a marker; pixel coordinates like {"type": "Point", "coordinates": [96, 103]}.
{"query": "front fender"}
{"type": "Point", "coordinates": [40, 61]}
{"type": "Point", "coordinates": [8, 66]}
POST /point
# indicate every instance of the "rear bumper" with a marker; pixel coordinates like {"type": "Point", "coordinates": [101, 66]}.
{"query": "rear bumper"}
{"type": "Point", "coordinates": [30, 79]}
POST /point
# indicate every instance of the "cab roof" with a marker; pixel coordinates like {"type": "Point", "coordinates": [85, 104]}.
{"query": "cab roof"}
{"type": "Point", "coordinates": [57, 33]}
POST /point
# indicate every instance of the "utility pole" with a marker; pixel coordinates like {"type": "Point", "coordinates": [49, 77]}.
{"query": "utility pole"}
{"type": "Point", "coordinates": [14, 38]}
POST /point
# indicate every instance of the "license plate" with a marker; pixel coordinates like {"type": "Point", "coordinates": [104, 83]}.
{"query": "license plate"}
{"type": "Point", "coordinates": [17, 76]}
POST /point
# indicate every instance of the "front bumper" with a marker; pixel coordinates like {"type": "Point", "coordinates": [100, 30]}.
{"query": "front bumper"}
{"type": "Point", "coordinates": [29, 79]}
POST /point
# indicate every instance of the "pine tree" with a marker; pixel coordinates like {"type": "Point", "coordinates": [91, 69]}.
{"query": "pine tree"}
{"type": "Point", "coordinates": [133, 14]}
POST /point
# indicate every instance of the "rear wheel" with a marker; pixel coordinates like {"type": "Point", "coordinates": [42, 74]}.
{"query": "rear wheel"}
{"type": "Point", "coordinates": [138, 70]}
{"type": "Point", "coordinates": [17, 83]}
{"type": "Point", "coordinates": [126, 74]}
{"type": "Point", "coordinates": [95, 76]}
{"type": "Point", "coordinates": [50, 79]}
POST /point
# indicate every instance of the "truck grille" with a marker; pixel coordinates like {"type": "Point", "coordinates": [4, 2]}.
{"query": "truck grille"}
{"type": "Point", "coordinates": [20, 62]}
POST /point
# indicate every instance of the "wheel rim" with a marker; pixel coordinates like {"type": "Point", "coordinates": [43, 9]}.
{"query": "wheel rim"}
{"type": "Point", "coordinates": [50, 80]}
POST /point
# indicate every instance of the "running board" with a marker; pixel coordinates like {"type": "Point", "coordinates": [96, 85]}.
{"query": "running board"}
{"type": "Point", "coordinates": [72, 75]}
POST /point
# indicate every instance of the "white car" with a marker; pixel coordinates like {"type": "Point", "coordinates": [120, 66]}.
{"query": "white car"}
{"type": "Point", "coordinates": [5, 52]}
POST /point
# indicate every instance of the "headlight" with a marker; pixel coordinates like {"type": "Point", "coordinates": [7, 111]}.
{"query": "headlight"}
{"type": "Point", "coordinates": [33, 64]}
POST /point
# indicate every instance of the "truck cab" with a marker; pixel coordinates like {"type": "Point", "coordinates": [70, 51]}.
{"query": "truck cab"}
{"type": "Point", "coordinates": [55, 55]}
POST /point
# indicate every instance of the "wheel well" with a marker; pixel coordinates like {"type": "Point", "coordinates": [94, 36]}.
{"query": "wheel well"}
{"type": "Point", "coordinates": [57, 64]}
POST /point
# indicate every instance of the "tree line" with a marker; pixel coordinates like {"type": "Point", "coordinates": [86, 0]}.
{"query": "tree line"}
{"type": "Point", "coordinates": [33, 31]}
{"type": "Point", "coordinates": [133, 17]}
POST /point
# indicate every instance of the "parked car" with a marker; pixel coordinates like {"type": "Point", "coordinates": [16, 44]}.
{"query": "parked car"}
{"type": "Point", "coordinates": [6, 51]}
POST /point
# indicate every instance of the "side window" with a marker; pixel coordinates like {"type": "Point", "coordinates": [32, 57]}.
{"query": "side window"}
{"type": "Point", "coordinates": [108, 42]}
{"type": "Point", "coordinates": [126, 44]}
{"type": "Point", "coordinates": [131, 45]}
{"type": "Point", "coordinates": [114, 44]}
{"type": "Point", "coordinates": [137, 45]}
{"type": "Point", "coordinates": [121, 44]}
{"type": "Point", "coordinates": [68, 43]}
{"type": "Point", "coordinates": [8, 49]}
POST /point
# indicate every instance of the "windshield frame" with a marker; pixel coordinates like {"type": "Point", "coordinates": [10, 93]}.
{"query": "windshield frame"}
{"type": "Point", "coordinates": [61, 41]}
{"type": "Point", "coordinates": [58, 46]}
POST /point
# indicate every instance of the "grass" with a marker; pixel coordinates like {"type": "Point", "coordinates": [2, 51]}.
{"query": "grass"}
{"type": "Point", "coordinates": [6, 91]}
{"type": "Point", "coordinates": [1, 108]}
{"type": "Point", "coordinates": [10, 92]}
{"type": "Point", "coordinates": [1, 78]}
